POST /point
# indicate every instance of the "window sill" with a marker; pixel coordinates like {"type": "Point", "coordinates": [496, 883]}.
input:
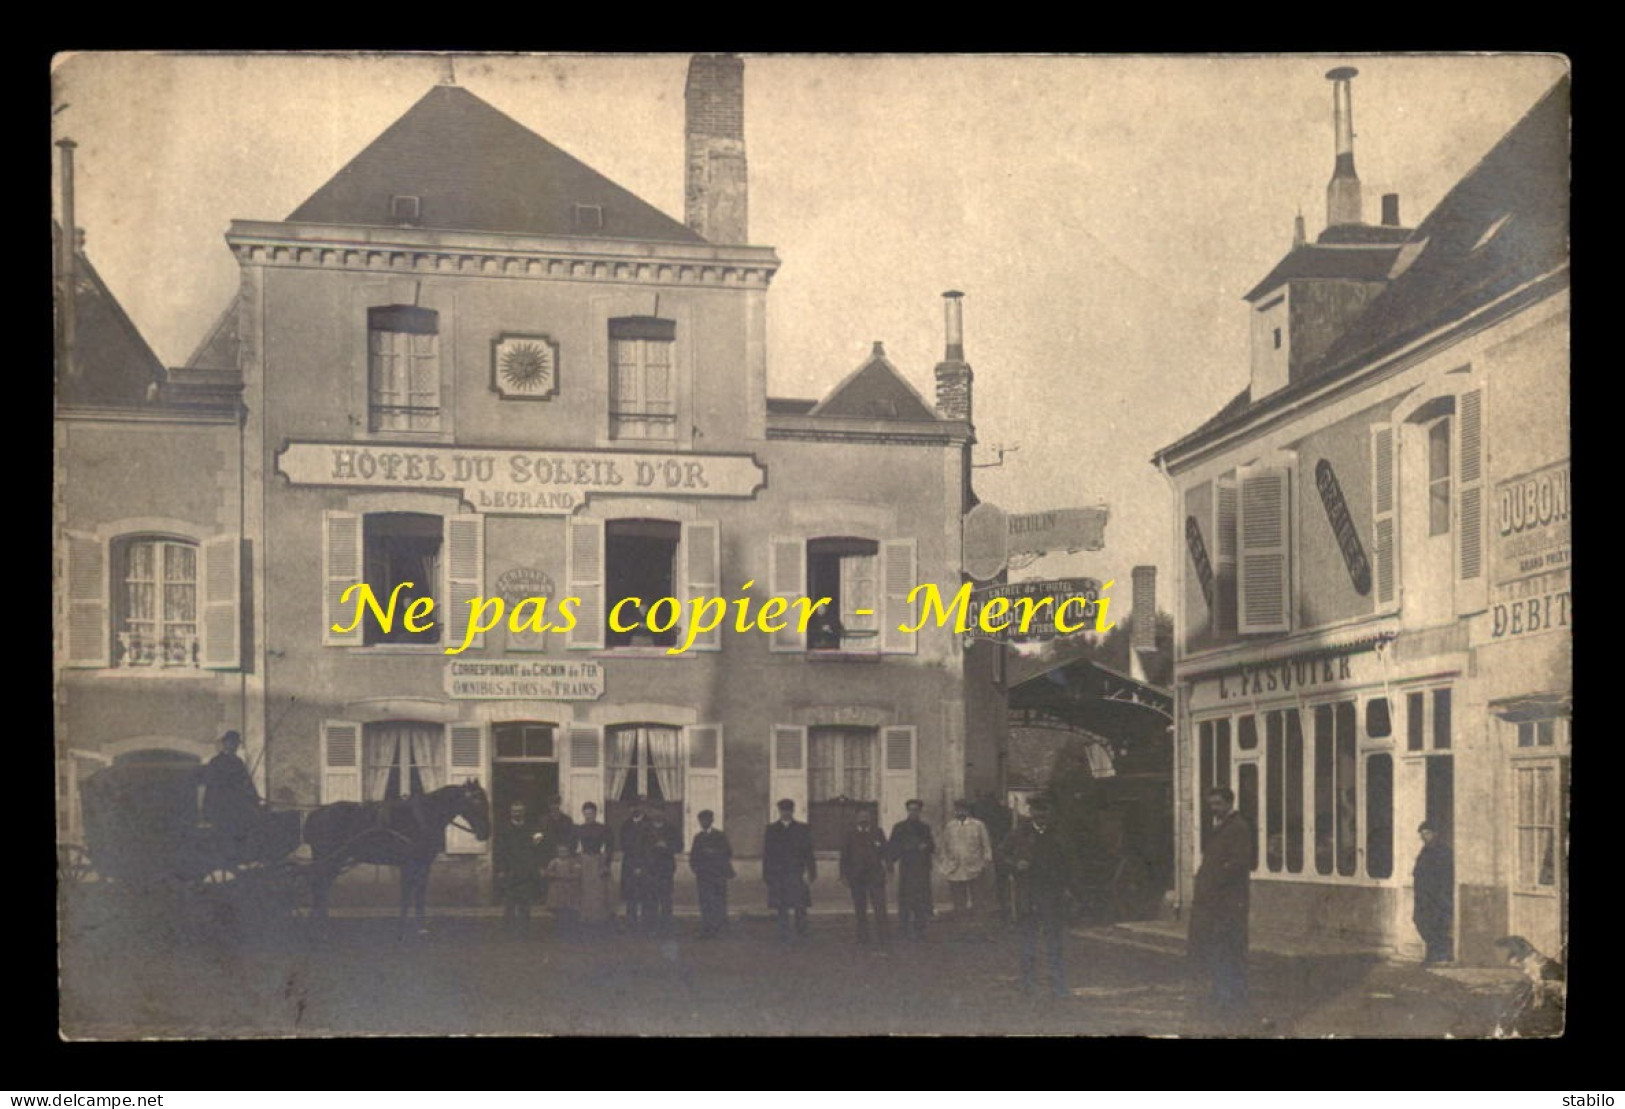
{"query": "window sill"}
{"type": "Point", "coordinates": [843, 656]}
{"type": "Point", "coordinates": [642, 652]}
{"type": "Point", "coordinates": [397, 648]}
{"type": "Point", "coordinates": [160, 673]}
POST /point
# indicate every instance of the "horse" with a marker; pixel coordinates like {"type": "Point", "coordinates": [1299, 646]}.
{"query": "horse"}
{"type": "Point", "coordinates": [406, 834]}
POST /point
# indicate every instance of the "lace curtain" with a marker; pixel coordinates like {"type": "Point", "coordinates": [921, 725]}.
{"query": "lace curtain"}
{"type": "Point", "coordinates": [403, 757]}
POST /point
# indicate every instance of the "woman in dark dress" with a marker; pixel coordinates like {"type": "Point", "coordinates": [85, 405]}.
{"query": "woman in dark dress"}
{"type": "Point", "coordinates": [595, 908]}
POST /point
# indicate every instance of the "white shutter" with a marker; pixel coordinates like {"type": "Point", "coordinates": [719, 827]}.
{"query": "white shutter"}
{"type": "Point", "coordinates": [898, 571]}
{"type": "Point", "coordinates": [787, 578]}
{"type": "Point", "coordinates": [341, 761]}
{"type": "Point", "coordinates": [341, 568]}
{"type": "Point", "coordinates": [1471, 594]}
{"type": "Point", "coordinates": [221, 602]}
{"type": "Point", "coordinates": [86, 635]}
{"type": "Point", "coordinates": [464, 574]}
{"type": "Point", "coordinates": [702, 571]}
{"type": "Point", "coordinates": [465, 759]}
{"type": "Point", "coordinates": [787, 769]}
{"type": "Point", "coordinates": [583, 763]}
{"type": "Point", "coordinates": [1263, 544]}
{"type": "Point", "coordinates": [702, 786]}
{"type": "Point", "coordinates": [1384, 536]}
{"type": "Point", "coordinates": [1224, 544]}
{"type": "Point", "coordinates": [584, 577]}
{"type": "Point", "coordinates": [899, 775]}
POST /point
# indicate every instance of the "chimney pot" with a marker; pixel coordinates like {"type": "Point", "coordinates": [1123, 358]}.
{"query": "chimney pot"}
{"type": "Point", "coordinates": [879, 350]}
{"type": "Point", "coordinates": [1390, 209]}
{"type": "Point", "coordinates": [955, 325]}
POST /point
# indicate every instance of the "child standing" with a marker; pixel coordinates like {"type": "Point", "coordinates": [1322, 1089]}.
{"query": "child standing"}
{"type": "Point", "coordinates": [564, 890]}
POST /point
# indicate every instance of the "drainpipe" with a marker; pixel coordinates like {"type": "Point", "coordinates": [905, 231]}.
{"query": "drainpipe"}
{"type": "Point", "coordinates": [1182, 850]}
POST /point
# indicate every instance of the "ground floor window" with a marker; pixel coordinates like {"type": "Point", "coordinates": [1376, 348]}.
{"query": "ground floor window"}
{"type": "Point", "coordinates": [1336, 813]}
{"type": "Point", "coordinates": [1535, 791]}
{"type": "Point", "coordinates": [841, 782]}
{"type": "Point", "coordinates": [1283, 814]}
{"type": "Point", "coordinates": [401, 758]}
{"type": "Point", "coordinates": [644, 766]}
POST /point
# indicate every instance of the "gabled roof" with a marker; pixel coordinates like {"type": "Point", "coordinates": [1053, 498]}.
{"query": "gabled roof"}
{"type": "Point", "coordinates": [1314, 261]}
{"type": "Point", "coordinates": [1502, 226]}
{"type": "Point", "coordinates": [472, 168]}
{"type": "Point", "coordinates": [115, 366]}
{"type": "Point", "coordinates": [875, 390]}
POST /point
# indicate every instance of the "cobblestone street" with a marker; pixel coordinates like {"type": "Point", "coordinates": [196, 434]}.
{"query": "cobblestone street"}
{"type": "Point", "coordinates": [467, 976]}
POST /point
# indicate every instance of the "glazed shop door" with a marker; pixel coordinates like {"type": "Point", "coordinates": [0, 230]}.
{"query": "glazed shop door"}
{"type": "Point", "coordinates": [524, 769]}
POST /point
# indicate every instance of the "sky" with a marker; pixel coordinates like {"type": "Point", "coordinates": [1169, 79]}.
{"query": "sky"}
{"type": "Point", "coordinates": [1102, 215]}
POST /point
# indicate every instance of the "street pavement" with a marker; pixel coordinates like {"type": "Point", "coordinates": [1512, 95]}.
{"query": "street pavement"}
{"type": "Point", "coordinates": [131, 974]}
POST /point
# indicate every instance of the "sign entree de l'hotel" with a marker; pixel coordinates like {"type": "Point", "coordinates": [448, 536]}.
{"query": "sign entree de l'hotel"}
{"type": "Point", "coordinates": [521, 482]}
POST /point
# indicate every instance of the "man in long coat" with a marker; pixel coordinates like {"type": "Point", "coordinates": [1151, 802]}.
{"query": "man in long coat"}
{"type": "Point", "coordinates": [519, 865]}
{"type": "Point", "coordinates": [910, 848]}
{"type": "Point", "coordinates": [1220, 905]}
{"type": "Point", "coordinates": [634, 845]}
{"type": "Point", "coordinates": [1042, 864]}
{"type": "Point", "coordinates": [1434, 878]}
{"type": "Point", "coordinates": [710, 857]}
{"type": "Point", "coordinates": [664, 844]}
{"type": "Point", "coordinates": [229, 797]}
{"type": "Point", "coordinates": [863, 870]}
{"type": "Point", "coordinates": [789, 868]}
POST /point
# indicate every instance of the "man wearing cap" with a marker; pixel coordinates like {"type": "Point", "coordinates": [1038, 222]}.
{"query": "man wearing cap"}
{"type": "Point", "coordinates": [229, 796]}
{"type": "Point", "coordinates": [1220, 903]}
{"type": "Point", "coordinates": [1042, 863]}
{"type": "Point", "coordinates": [911, 847]}
{"type": "Point", "coordinates": [863, 870]}
{"type": "Point", "coordinates": [710, 857]}
{"type": "Point", "coordinates": [789, 868]}
{"type": "Point", "coordinates": [518, 868]}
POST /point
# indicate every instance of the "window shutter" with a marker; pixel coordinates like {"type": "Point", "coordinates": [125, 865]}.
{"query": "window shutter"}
{"type": "Point", "coordinates": [1470, 500]}
{"type": "Point", "coordinates": [898, 572]}
{"type": "Point", "coordinates": [86, 636]}
{"type": "Point", "coordinates": [702, 552]}
{"type": "Point", "coordinates": [898, 773]}
{"type": "Point", "coordinates": [465, 759]}
{"type": "Point", "coordinates": [1263, 545]}
{"type": "Point", "coordinates": [787, 775]}
{"type": "Point", "coordinates": [341, 568]}
{"type": "Point", "coordinates": [787, 576]}
{"type": "Point", "coordinates": [1224, 536]}
{"type": "Point", "coordinates": [341, 761]}
{"type": "Point", "coordinates": [584, 573]}
{"type": "Point", "coordinates": [1385, 539]}
{"type": "Point", "coordinates": [702, 788]}
{"type": "Point", "coordinates": [222, 602]}
{"type": "Point", "coordinates": [465, 575]}
{"type": "Point", "coordinates": [583, 769]}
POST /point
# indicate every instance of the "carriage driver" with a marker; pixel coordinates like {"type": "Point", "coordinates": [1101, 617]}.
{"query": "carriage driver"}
{"type": "Point", "coordinates": [229, 797]}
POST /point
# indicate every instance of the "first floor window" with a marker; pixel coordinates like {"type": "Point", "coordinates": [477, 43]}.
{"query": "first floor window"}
{"type": "Point", "coordinates": [401, 547]}
{"type": "Point", "coordinates": [847, 571]}
{"type": "Point", "coordinates": [401, 758]}
{"type": "Point", "coordinates": [158, 610]}
{"type": "Point", "coordinates": [640, 561]}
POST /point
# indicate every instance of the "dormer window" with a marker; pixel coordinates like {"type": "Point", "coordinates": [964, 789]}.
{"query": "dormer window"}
{"type": "Point", "coordinates": [405, 209]}
{"type": "Point", "coordinates": [588, 217]}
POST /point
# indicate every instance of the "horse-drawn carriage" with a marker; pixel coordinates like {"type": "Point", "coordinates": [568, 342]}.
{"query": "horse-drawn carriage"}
{"type": "Point", "coordinates": [147, 850]}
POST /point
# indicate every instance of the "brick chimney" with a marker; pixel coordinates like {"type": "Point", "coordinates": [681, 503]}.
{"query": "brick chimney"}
{"type": "Point", "coordinates": [953, 372]}
{"type": "Point", "coordinates": [1145, 609]}
{"type": "Point", "coordinates": [716, 184]}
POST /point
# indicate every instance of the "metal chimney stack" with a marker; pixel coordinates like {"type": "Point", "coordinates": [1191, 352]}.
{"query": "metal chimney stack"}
{"type": "Point", "coordinates": [1343, 191]}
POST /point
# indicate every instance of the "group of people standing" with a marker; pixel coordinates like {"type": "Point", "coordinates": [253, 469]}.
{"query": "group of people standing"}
{"type": "Point", "coordinates": [565, 866]}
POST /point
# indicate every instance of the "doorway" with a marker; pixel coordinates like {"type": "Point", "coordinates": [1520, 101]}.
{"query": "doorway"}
{"type": "Point", "coordinates": [525, 768]}
{"type": "Point", "coordinates": [1440, 798]}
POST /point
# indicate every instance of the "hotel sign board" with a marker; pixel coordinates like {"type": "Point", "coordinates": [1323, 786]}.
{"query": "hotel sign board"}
{"type": "Point", "coordinates": [524, 680]}
{"type": "Point", "coordinates": [1059, 529]}
{"type": "Point", "coordinates": [520, 482]}
{"type": "Point", "coordinates": [1043, 599]}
